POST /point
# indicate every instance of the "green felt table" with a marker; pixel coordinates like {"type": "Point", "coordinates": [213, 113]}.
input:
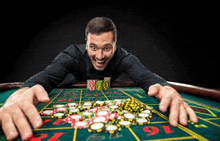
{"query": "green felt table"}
{"type": "Point", "coordinates": [208, 127]}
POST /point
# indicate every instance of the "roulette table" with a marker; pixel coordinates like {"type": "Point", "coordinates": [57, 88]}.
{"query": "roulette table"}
{"type": "Point", "coordinates": [207, 110]}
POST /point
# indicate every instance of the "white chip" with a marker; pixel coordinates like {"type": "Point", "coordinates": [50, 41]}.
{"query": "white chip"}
{"type": "Point", "coordinates": [72, 104]}
{"type": "Point", "coordinates": [74, 110]}
{"type": "Point", "coordinates": [60, 106]}
{"type": "Point", "coordinates": [87, 104]}
{"type": "Point", "coordinates": [146, 111]}
{"type": "Point", "coordinates": [143, 115]}
{"type": "Point", "coordinates": [96, 126]}
{"type": "Point", "coordinates": [47, 112]}
{"type": "Point", "coordinates": [58, 114]}
{"type": "Point", "coordinates": [108, 101]}
{"type": "Point", "coordinates": [99, 119]}
{"type": "Point", "coordinates": [129, 116]}
{"type": "Point", "coordinates": [141, 120]}
{"type": "Point", "coordinates": [102, 113]}
{"type": "Point", "coordinates": [100, 102]}
{"type": "Point", "coordinates": [111, 127]}
{"type": "Point", "coordinates": [124, 123]}
{"type": "Point", "coordinates": [81, 123]}
{"type": "Point", "coordinates": [113, 107]}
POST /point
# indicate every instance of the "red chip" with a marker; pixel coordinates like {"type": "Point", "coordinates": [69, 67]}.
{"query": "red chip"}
{"type": "Point", "coordinates": [113, 116]}
{"type": "Point", "coordinates": [73, 118]}
{"type": "Point", "coordinates": [47, 112]}
{"type": "Point", "coordinates": [60, 110]}
{"type": "Point", "coordinates": [80, 124]}
{"type": "Point", "coordinates": [100, 119]}
{"type": "Point", "coordinates": [71, 104]}
{"type": "Point", "coordinates": [102, 113]}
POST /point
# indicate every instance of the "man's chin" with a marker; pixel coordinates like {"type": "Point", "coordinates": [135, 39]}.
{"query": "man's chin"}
{"type": "Point", "coordinates": [99, 68]}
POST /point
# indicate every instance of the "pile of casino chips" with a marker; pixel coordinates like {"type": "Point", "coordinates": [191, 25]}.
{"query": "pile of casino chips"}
{"type": "Point", "coordinates": [102, 116]}
{"type": "Point", "coordinates": [94, 84]}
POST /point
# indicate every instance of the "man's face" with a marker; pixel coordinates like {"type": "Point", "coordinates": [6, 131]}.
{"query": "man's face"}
{"type": "Point", "coordinates": [100, 49]}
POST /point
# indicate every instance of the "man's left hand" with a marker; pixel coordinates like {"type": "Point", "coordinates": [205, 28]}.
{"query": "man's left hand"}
{"type": "Point", "coordinates": [179, 110]}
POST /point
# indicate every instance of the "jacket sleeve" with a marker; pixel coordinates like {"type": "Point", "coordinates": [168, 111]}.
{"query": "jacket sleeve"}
{"type": "Point", "coordinates": [56, 72]}
{"type": "Point", "coordinates": [140, 74]}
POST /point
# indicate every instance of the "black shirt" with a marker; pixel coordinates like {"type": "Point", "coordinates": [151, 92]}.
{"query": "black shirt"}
{"type": "Point", "coordinates": [75, 60]}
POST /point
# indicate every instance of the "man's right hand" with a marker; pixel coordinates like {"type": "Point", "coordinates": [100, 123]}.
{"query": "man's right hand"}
{"type": "Point", "coordinates": [19, 110]}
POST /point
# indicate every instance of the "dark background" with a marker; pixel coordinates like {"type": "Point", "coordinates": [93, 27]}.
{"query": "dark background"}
{"type": "Point", "coordinates": [178, 41]}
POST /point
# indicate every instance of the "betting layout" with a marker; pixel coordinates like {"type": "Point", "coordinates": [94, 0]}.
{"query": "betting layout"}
{"type": "Point", "coordinates": [64, 127]}
{"type": "Point", "coordinates": [100, 115]}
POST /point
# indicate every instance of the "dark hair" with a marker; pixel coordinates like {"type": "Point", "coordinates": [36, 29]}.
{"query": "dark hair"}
{"type": "Point", "coordinates": [99, 25]}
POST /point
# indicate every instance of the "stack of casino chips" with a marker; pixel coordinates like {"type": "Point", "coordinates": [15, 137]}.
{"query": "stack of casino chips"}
{"type": "Point", "coordinates": [91, 85]}
{"type": "Point", "coordinates": [102, 116]}
{"type": "Point", "coordinates": [99, 85]}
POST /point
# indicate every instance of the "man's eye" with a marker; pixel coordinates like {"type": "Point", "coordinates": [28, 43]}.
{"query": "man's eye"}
{"type": "Point", "coordinates": [107, 48]}
{"type": "Point", "coordinates": [93, 48]}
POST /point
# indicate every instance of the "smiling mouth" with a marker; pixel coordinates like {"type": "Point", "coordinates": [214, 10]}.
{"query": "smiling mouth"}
{"type": "Point", "coordinates": [99, 63]}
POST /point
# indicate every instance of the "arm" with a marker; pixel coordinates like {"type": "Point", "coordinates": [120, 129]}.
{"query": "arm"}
{"type": "Point", "coordinates": [57, 71]}
{"type": "Point", "coordinates": [141, 74]}
{"type": "Point", "coordinates": [159, 88]}
{"type": "Point", "coordinates": [19, 109]}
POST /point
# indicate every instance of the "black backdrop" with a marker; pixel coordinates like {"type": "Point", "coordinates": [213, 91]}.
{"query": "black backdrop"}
{"type": "Point", "coordinates": [178, 41]}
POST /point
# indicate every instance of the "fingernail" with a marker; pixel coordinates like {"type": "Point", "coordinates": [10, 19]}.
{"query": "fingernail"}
{"type": "Point", "coordinates": [174, 122]}
{"type": "Point", "coordinates": [162, 108]}
{"type": "Point", "coordinates": [37, 123]}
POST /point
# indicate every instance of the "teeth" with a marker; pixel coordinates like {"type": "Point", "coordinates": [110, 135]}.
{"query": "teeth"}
{"type": "Point", "coordinates": [100, 61]}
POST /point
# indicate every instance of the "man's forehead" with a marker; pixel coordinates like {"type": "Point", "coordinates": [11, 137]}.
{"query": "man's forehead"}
{"type": "Point", "coordinates": [106, 37]}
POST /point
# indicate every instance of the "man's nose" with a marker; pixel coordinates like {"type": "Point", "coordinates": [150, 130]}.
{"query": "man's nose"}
{"type": "Point", "coordinates": [100, 54]}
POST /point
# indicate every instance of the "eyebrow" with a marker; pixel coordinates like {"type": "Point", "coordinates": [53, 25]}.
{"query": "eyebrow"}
{"type": "Point", "coordinates": [102, 46]}
{"type": "Point", "coordinates": [92, 44]}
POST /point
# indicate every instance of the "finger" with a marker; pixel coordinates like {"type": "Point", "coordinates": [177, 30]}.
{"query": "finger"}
{"type": "Point", "coordinates": [22, 124]}
{"type": "Point", "coordinates": [165, 101]}
{"type": "Point", "coordinates": [9, 128]}
{"type": "Point", "coordinates": [32, 114]}
{"type": "Point", "coordinates": [153, 89]}
{"type": "Point", "coordinates": [192, 115]}
{"type": "Point", "coordinates": [40, 93]}
{"type": "Point", "coordinates": [174, 111]}
{"type": "Point", "coordinates": [183, 115]}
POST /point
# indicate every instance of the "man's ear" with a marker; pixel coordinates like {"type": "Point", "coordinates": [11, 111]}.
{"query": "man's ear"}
{"type": "Point", "coordinates": [114, 47]}
{"type": "Point", "coordinates": [86, 44]}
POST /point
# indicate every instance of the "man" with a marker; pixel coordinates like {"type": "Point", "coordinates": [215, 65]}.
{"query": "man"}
{"type": "Point", "coordinates": [99, 58]}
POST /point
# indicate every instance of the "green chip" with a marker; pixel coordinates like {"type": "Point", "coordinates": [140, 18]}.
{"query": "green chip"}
{"type": "Point", "coordinates": [99, 85]}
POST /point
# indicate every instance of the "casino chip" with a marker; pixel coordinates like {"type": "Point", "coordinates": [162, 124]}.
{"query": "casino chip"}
{"type": "Point", "coordinates": [60, 110]}
{"type": "Point", "coordinates": [73, 118]}
{"type": "Point", "coordinates": [80, 124]}
{"type": "Point", "coordinates": [59, 106]}
{"type": "Point", "coordinates": [124, 123]}
{"type": "Point", "coordinates": [103, 113]}
{"type": "Point", "coordinates": [129, 117]}
{"type": "Point", "coordinates": [98, 116]}
{"type": "Point", "coordinates": [58, 115]}
{"type": "Point", "coordinates": [96, 127]}
{"type": "Point", "coordinates": [112, 129]}
{"type": "Point", "coordinates": [144, 115]}
{"type": "Point", "coordinates": [47, 112]}
{"type": "Point", "coordinates": [141, 121]}
{"type": "Point", "coordinates": [71, 104]}
{"type": "Point", "coordinates": [100, 119]}
{"type": "Point", "coordinates": [74, 111]}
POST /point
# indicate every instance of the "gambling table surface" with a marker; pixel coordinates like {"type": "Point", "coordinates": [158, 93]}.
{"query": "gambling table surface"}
{"type": "Point", "coordinates": [207, 110]}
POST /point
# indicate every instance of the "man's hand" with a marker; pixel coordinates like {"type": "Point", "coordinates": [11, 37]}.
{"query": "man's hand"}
{"type": "Point", "coordinates": [19, 109]}
{"type": "Point", "coordinates": [179, 110]}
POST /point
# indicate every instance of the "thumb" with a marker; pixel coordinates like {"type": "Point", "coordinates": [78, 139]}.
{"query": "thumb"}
{"type": "Point", "coordinates": [153, 89]}
{"type": "Point", "coordinates": [41, 94]}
